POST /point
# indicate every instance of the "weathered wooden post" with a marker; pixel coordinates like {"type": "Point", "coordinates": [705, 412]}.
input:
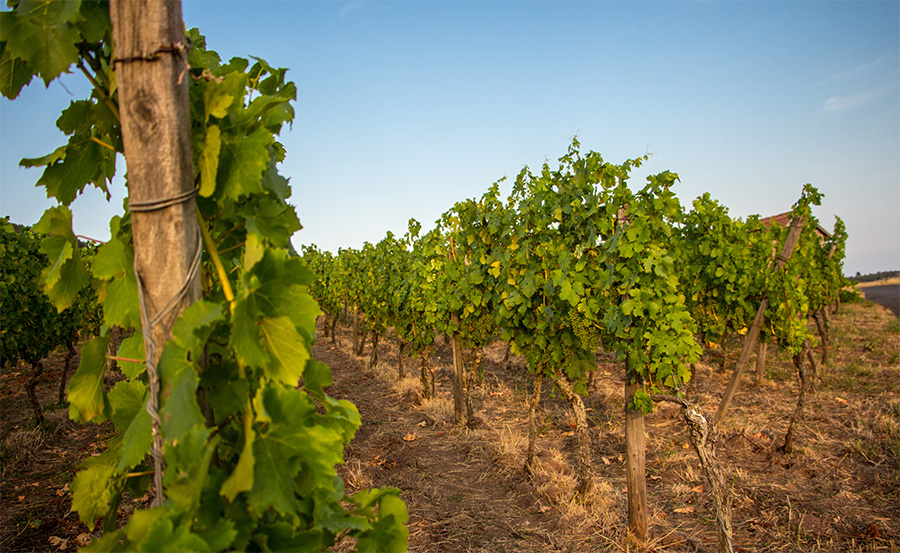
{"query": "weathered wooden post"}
{"type": "Point", "coordinates": [152, 78]}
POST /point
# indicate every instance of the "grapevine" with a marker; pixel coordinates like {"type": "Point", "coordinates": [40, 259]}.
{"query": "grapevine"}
{"type": "Point", "coordinates": [249, 458]}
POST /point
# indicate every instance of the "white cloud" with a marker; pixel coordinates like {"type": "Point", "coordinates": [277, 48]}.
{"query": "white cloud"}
{"type": "Point", "coordinates": [860, 70]}
{"type": "Point", "coordinates": [855, 100]}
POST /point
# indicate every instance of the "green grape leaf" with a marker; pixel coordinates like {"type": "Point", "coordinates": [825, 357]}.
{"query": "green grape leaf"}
{"type": "Point", "coordinates": [179, 409]}
{"type": "Point", "coordinates": [288, 349]}
{"type": "Point", "coordinates": [220, 536]}
{"type": "Point", "coordinates": [66, 275]}
{"type": "Point", "coordinates": [121, 306]}
{"type": "Point", "coordinates": [87, 402]}
{"type": "Point", "coordinates": [94, 22]}
{"type": "Point", "coordinates": [245, 336]}
{"type": "Point", "coordinates": [196, 323]}
{"type": "Point", "coordinates": [217, 104]}
{"type": "Point", "coordinates": [188, 465]}
{"type": "Point", "coordinates": [137, 440]}
{"type": "Point", "coordinates": [114, 264]}
{"type": "Point", "coordinates": [75, 117]}
{"type": "Point", "coordinates": [112, 259]}
{"type": "Point", "coordinates": [209, 161]}
{"type": "Point", "coordinates": [274, 182]}
{"type": "Point", "coordinates": [294, 433]}
{"type": "Point", "coordinates": [389, 532]}
{"type": "Point", "coordinates": [243, 161]}
{"type": "Point", "coordinates": [46, 38]}
{"type": "Point", "coordinates": [14, 73]}
{"type": "Point", "coordinates": [241, 478]}
{"type": "Point", "coordinates": [317, 376]}
{"type": "Point", "coordinates": [132, 348]}
{"type": "Point", "coordinates": [84, 163]}
{"type": "Point", "coordinates": [126, 399]}
{"type": "Point", "coordinates": [94, 485]}
{"type": "Point", "coordinates": [49, 159]}
{"type": "Point", "coordinates": [154, 530]}
{"type": "Point", "coordinates": [271, 218]}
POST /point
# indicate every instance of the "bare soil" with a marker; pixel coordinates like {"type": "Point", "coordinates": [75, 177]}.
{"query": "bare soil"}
{"type": "Point", "coordinates": [465, 488]}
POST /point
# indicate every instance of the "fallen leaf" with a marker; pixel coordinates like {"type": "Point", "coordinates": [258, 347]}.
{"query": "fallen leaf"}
{"type": "Point", "coordinates": [685, 510]}
{"type": "Point", "coordinates": [842, 400]}
{"type": "Point", "coordinates": [409, 437]}
{"type": "Point", "coordinates": [423, 424]}
{"type": "Point", "coordinates": [698, 489]}
{"type": "Point", "coordinates": [84, 539]}
{"type": "Point", "coordinates": [21, 498]}
{"type": "Point", "coordinates": [567, 434]}
{"type": "Point", "coordinates": [606, 461]}
{"type": "Point", "coordinates": [59, 543]}
{"type": "Point", "coordinates": [655, 477]}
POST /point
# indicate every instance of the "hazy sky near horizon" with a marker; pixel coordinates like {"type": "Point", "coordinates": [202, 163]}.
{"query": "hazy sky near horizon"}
{"type": "Point", "coordinates": [404, 108]}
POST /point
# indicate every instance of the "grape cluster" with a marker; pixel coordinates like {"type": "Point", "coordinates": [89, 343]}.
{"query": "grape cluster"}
{"type": "Point", "coordinates": [586, 332]}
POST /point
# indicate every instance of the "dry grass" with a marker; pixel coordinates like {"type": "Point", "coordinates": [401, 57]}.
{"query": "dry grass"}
{"type": "Point", "coordinates": [20, 448]}
{"type": "Point", "coordinates": [438, 408]}
{"type": "Point", "coordinates": [882, 282]}
{"type": "Point", "coordinates": [466, 489]}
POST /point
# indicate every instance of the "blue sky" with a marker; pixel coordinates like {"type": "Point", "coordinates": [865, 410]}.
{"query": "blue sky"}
{"type": "Point", "coordinates": [406, 107]}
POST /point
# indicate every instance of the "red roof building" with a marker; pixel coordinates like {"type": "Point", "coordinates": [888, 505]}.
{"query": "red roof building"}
{"type": "Point", "coordinates": [784, 219]}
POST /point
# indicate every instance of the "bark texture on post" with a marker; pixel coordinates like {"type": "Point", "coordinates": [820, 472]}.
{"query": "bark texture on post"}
{"type": "Point", "coordinates": [460, 395]}
{"type": "Point", "coordinates": [152, 80]}
{"type": "Point", "coordinates": [753, 334]}
{"type": "Point", "coordinates": [533, 402]}
{"type": "Point", "coordinates": [761, 361]}
{"type": "Point", "coordinates": [635, 473]}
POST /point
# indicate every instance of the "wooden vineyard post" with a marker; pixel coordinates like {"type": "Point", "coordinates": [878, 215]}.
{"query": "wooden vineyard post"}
{"type": "Point", "coordinates": [460, 411]}
{"type": "Point", "coordinates": [753, 334]}
{"type": "Point", "coordinates": [761, 361]}
{"type": "Point", "coordinates": [635, 472]}
{"type": "Point", "coordinates": [533, 402]}
{"type": "Point", "coordinates": [152, 77]}
{"type": "Point", "coordinates": [635, 442]}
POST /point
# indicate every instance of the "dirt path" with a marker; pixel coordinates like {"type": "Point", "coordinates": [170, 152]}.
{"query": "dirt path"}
{"type": "Point", "coordinates": [448, 476]}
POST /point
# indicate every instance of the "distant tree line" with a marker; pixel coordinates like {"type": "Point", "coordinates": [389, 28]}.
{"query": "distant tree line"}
{"type": "Point", "coordinates": [872, 277]}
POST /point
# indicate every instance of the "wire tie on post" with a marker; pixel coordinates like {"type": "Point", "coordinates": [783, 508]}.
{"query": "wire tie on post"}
{"type": "Point", "coordinates": [179, 49]}
{"type": "Point", "coordinates": [147, 324]}
{"type": "Point", "coordinates": [156, 205]}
